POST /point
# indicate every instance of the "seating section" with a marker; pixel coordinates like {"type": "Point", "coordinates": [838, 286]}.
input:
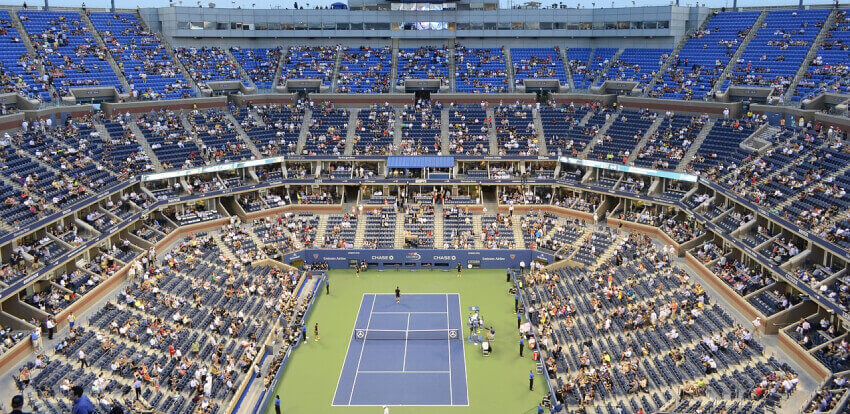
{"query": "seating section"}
{"type": "Point", "coordinates": [458, 231]}
{"type": "Point", "coordinates": [423, 63]}
{"type": "Point", "coordinates": [309, 63]}
{"type": "Point", "coordinates": [666, 148]}
{"type": "Point", "coordinates": [141, 56]}
{"type": "Point", "coordinates": [259, 63]}
{"type": "Point", "coordinates": [828, 70]}
{"type": "Point", "coordinates": [375, 130]}
{"type": "Point", "coordinates": [468, 130]}
{"type": "Point", "coordinates": [600, 58]}
{"type": "Point", "coordinates": [219, 136]}
{"type": "Point", "coordinates": [340, 231]}
{"type": "Point", "coordinates": [773, 57]}
{"type": "Point", "coordinates": [623, 135]}
{"type": "Point", "coordinates": [638, 65]}
{"type": "Point", "coordinates": [579, 58]}
{"type": "Point", "coordinates": [480, 70]}
{"type": "Point", "coordinates": [19, 70]}
{"type": "Point", "coordinates": [172, 145]}
{"type": "Point", "coordinates": [365, 70]}
{"type": "Point", "coordinates": [276, 130]}
{"type": "Point", "coordinates": [419, 227]}
{"type": "Point", "coordinates": [420, 129]}
{"type": "Point", "coordinates": [380, 229]}
{"type": "Point", "coordinates": [70, 54]}
{"type": "Point", "coordinates": [208, 64]}
{"type": "Point", "coordinates": [214, 329]}
{"type": "Point", "coordinates": [693, 72]}
{"type": "Point", "coordinates": [720, 147]}
{"type": "Point", "coordinates": [328, 127]}
{"type": "Point", "coordinates": [515, 130]}
{"type": "Point", "coordinates": [498, 232]}
{"type": "Point", "coordinates": [536, 63]}
{"type": "Point", "coordinates": [643, 351]}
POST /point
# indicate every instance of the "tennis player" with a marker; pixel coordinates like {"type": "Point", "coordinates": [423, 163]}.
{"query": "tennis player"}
{"type": "Point", "coordinates": [397, 295]}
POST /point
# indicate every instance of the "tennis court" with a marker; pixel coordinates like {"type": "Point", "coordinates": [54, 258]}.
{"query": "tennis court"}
{"type": "Point", "coordinates": [405, 354]}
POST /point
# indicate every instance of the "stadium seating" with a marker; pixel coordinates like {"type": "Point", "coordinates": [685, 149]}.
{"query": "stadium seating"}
{"type": "Point", "coordinates": [420, 129]}
{"type": "Point", "coordinates": [694, 70]}
{"type": "Point", "coordinates": [423, 63]}
{"type": "Point", "coordinates": [148, 67]}
{"type": "Point", "coordinates": [773, 57]}
{"type": "Point", "coordinates": [72, 58]}
{"type": "Point", "coordinates": [328, 128]}
{"type": "Point", "coordinates": [365, 70]}
{"type": "Point", "coordinates": [309, 63]}
{"type": "Point", "coordinates": [468, 130]}
{"type": "Point", "coordinates": [375, 130]}
{"type": "Point", "coordinates": [480, 70]}
{"type": "Point", "coordinates": [20, 73]}
{"type": "Point", "coordinates": [208, 64]}
{"type": "Point", "coordinates": [828, 70]}
{"type": "Point", "coordinates": [638, 65]}
{"type": "Point", "coordinates": [533, 63]}
{"type": "Point", "coordinates": [259, 63]}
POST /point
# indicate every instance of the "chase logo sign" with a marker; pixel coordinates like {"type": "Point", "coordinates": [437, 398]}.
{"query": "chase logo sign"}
{"type": "Point", "coordinates": [413, 256]}
{"type": "Point", "coordinates": [387, 257]}
{"type": "Point", "coordinates": [445, 257]}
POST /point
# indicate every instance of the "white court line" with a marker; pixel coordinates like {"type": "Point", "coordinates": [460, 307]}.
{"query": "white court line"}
{"type": "Point", "coordinates": [405, 372]}
{"type": "Point", "coordinates": [401, 312]}
{"type": "Point", "coordinates": [350, 338]}
{"type": "Point", "coordinates": [357, 370]}
{"type": "Point", "coordinates": [404, 358]}
{"type": "Point", "coordinates": [449, 344]}
{"type": "Point", "coordinates": [462, 350]}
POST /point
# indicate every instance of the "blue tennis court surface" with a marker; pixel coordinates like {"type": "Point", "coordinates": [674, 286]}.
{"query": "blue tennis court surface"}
{"type": "Point", "coordinates": [408, 353]}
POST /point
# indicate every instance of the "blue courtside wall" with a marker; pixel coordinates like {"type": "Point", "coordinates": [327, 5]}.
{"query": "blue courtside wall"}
{"type": "Point", "coordinates": [420, 258]}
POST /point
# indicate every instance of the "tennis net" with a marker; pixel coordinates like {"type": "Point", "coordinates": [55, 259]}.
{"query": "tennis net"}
{"type": "Point", "coordinates": [412, 334]}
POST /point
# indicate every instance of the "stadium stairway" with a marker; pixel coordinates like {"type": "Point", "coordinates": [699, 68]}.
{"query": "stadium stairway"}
{"type": "Point", "coordinates": [397, 131]}
{"type": "Point", "coordinates": [146, 146]}
{"type": "Point", "coordinates": [491, 133]}
{"type": "Point", "coordinates": [734, 60]}
{"type": "Point", "coordinates": [445, 143]}
{"type": "Point", "coordinates": [305, 130]}
{"type": "Point", "coordinates": [476, 224]}
{"type": "Point", "coordinates": [236, 64]}
{"type": "Point", "coordinates": [225, 249]}
{"type": "Point", "coordinates": [438, 226]}
{"type": "Point", "coordinates": [603, 73]}
{"type": "Point", "coordinates": [797, 195]}
{"type": "Point", "coordinates": [394, 70]}
{"type": "Point", "coordinates": [351, 131]}
{"type": "Point", "coordinates": [519, 239]}
{"type": "Point", "coordinates": [610, 251]}
{"type": "Point", "coordinates": [659, 74]}
{"type": "Point", "coordinates": [599, 134]}
{"type": "Point", "coordinates": [360, 232]}
{"type": "Point", "coordinates": [653, 128]}
{"type": "Point", "coordinates": [695, 145]}
{"type": "Point", "coordinates": [452, 65]}
{"type": "Point", "coordinates": [399, 230]}
{"type": "Point", "coordinates": [179, 64]}
{"type": "Point", "coordinates": [509, 69]}
{"type": "Point", "coordinates": [16, 21]}
{"type": "Point", "coordinates": [564, 58]}
{"type": "Point", "coordinates": [813, 52]}
{"type": "Point", "coordinates": [111, 60]}
{"type": "Point", "coordinates": [335, 74]}
{"type": "Point", "coordinates": [242, 134]}
{"type": "Point", "coordinates": [189, 127]}
{"type": "Point", "coordinates": [585, 119]}
{"type": "Point", "coordinates": [541, 139]}
{"type": "Point", "coordinates": [322, 226]}
{"type": "Point", "coordinates": [275, 83]}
